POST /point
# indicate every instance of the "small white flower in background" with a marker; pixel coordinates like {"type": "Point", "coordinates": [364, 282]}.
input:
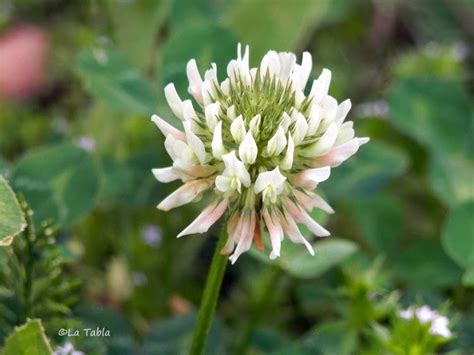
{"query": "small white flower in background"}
{"type": "Point", "coordinates": [438, 323]}
{"type": "Point", "coordinates": [86, 143]}
{"type": "Point", "coordinates": [259, 144]}
{"type": "Point", "coordinates": [67, 349]}
{"type": "Point", "coordinates": [151, 235]}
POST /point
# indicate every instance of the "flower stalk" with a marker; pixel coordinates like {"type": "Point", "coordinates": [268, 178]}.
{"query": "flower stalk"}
{"type": "Point", "coordinates": [209, 297]}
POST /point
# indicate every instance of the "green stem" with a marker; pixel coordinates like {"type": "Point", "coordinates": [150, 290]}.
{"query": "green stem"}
{"type": "Point", "coordinates": [209, 297]}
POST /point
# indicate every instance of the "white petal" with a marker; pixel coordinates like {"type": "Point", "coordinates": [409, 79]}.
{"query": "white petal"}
{"type": "Point", "coordinates": [165, 174]}
{"type": "Point", "coordinates": [188, 110]}
{"type": "Point", "coordinates": [306, 65]}
{"type": "Point", "coordinates": [212, 115]}
{"type": "Point", "coordinates": [237, 129]}
{"type": "Point", "coordinates": [275, 231]}
{"type": "Point", "coordinates": [346, 133]}
{"type": "Point", "coordinates": [300, 129]}
{"type": "Point", "coordinates": [167, 129]}
{"type": "Point", "coordinates": [231, 114]}
{"type": "Point", "coordinates": [218, 148]}
{"type": "Point", "coordinates": [314, 119]}
{"type": "Point", "coordinates": [324, 144]}
{"type": "Point", "coordinates": [287, 162]}
{"type": "Point", "coordinates": [287, 61]}
{"type": "Point", "coordinates": [211, 74]}
{"type": "Point", "coordinates": [340, 153]}
{"type": "Point", "coordinates": [310, 178]}
{"type": "Point", "coordinates": [244, 243]}
{"type": "Point", "coordinates": [195, 143]}
{"type": "Point", "coordinates": [174, 101]}
{"type": "Point", "coordinates": [291, 229]}
{"type": "Point", "coordinates": [225, 87]}
{"type": "Point", "coordinates": [320, 87]}
{"type": "Point", "coordinates": [185, 194]}
{"type": "Point", "coordinates": [329, 105]}
{"type": "Point", "coordinates": [195, 81]}
{"type": "Point", "coordinates": [270, 64]}
{"type": "Point", "coordinates": [342, 111]}
{"type": "Point", "coordinates": [254, 125]}
{"type": "Point", "coordinates": [206, 218]}
{"type": "Point", "coordinates": [302, 216]}
{"type": "Point", "coordinates": [269, 178]}
{"type": "Point", "coordinates": [207, 92]}
{"type": "Point", "coordinates": [285, 121]}
{"type": "Point", "coordinates": [223, 183]}
{"type": "Point", "coordinates": [248, 149]}
{"type": "Point", "coordinates": [277, 143]}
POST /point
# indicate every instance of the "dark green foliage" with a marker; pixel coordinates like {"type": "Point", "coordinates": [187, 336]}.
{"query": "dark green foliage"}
{"type": "Point", "coordinates": [33, 279]}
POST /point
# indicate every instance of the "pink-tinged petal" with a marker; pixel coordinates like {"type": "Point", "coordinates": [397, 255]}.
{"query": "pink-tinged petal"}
{"type": "Point", "coordinates": [276, 232]}
{"type": "Point", "coordinates": [185, 194]}
{"type": "Point", "coordinates": [298, 213]}
{"type": "Point", "coordinates": [195, 80]}
{"type": "Point", "coordinates": [310, 200]}
{"type": "Point", "coordinates": [324, 144]}
{"type": "Point", "coordinates": [292, 231]}
{"type": "Point", "coordinates": [342, 111]}
{"type": "Point", "coordinates": [174, 101]}
{"type": "Point", "coordinates": [310, 178]}
{"type": "Point", "coordinates": [168, 129]}
{"type": "Point", "coordinates": [232, 225]}
{"type": "Point", "coordinates": [340, 153]}
{"type": "Point", "coordinates": [246, 236]}
{"type": "Point", "coordinates": [165, 174]}
{"type": "Point", "coordinates": [206, 218]}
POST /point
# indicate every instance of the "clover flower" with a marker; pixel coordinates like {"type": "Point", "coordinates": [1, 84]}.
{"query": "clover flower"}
{"type": "Point", "coordinates": [424, 314]}
{"type": "Point", "coordinates": [260, 144]}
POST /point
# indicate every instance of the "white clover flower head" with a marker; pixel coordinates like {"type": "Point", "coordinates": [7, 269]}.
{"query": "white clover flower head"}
{"type": "Point", "coordinates": [424, 314]}
{"type": "Point", "coordinates": [259, 144]}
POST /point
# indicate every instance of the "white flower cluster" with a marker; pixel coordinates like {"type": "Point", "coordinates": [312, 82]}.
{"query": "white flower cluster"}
{"type": "Point", "coordinates": [438, 323]}
{"type": "Point", "coordinates": [260, 144]}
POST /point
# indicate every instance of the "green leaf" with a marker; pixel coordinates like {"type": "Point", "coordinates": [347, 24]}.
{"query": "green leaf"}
{"type": "Point", "coordinates": [143, 19]}
{"type": "Point", "coordinates": [207, 42]}
{"type": "Point", "coordinates": [468, 277]}
{"type": "Point", "coordinates": [110, 77]}
{"type": "Point", "coordinates": [278, 24]}
{"type": "Point", "coordinates": [452, 178]}
{"type": "Point", "coordinates": [296, 260]}
{"type": "Point", "coordinates": [457, 237]}
{"type": "Point", "coordinates": [365, 174]}
{"type": "Point", "coordinates": [12, 220]}
{"type": "Point", "coordinates": [59, 182]}
{"type": "Point", "coordinates": [332, 338]}
{"type": "Point", "coordinates": [28, 339]}
{"type": "Point", "coordinates": [380, 220]}
{"type": "Point", "coordinates": [436, 112]}
{"type": "Point", "coordinates": [424, 264]}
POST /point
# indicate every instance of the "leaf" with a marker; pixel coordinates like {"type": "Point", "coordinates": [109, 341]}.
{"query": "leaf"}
{"type": "Point", "coordinates": [424, 264]}
{"type": "Point", "coordinates": [365, 174]}
{"type": "Point", "coordinates": [328, 253]}
{"type": "Point", "coordinates": [59, 182]}
{"type": "Point", "coordinates": [12, 220]}
{"type": "Point", "coordinates": [296, 260]}
{"type": "Point", "coordinates": [207, 42]}
{"type": "Point", "coordinates": [380, 220]}
{"type": "Point", "coordinates": [452, 178]}
{"type": "Point", "coordinates": [468, 277]}
{"type": "Point", "coordinates": [278, 24]}
{"type": "Point", "coordinates": [173, 336]}
{"type": "Point", "coordinates": [110, 77]}
{"type": "Point", "coordinates": [434, 111]}
{"type": "Point", "coordinates": [28, 339]}
{"type": "Point", "coordinates": [143, 19]}
{"type": "Point", "coordinates": [332, 338]}
{"type": "Point", "coordinates": [458, 235]}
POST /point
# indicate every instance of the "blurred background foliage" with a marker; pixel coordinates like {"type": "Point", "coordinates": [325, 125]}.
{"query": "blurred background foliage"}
{"type": "Point", "coordinates": [77, 142]}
